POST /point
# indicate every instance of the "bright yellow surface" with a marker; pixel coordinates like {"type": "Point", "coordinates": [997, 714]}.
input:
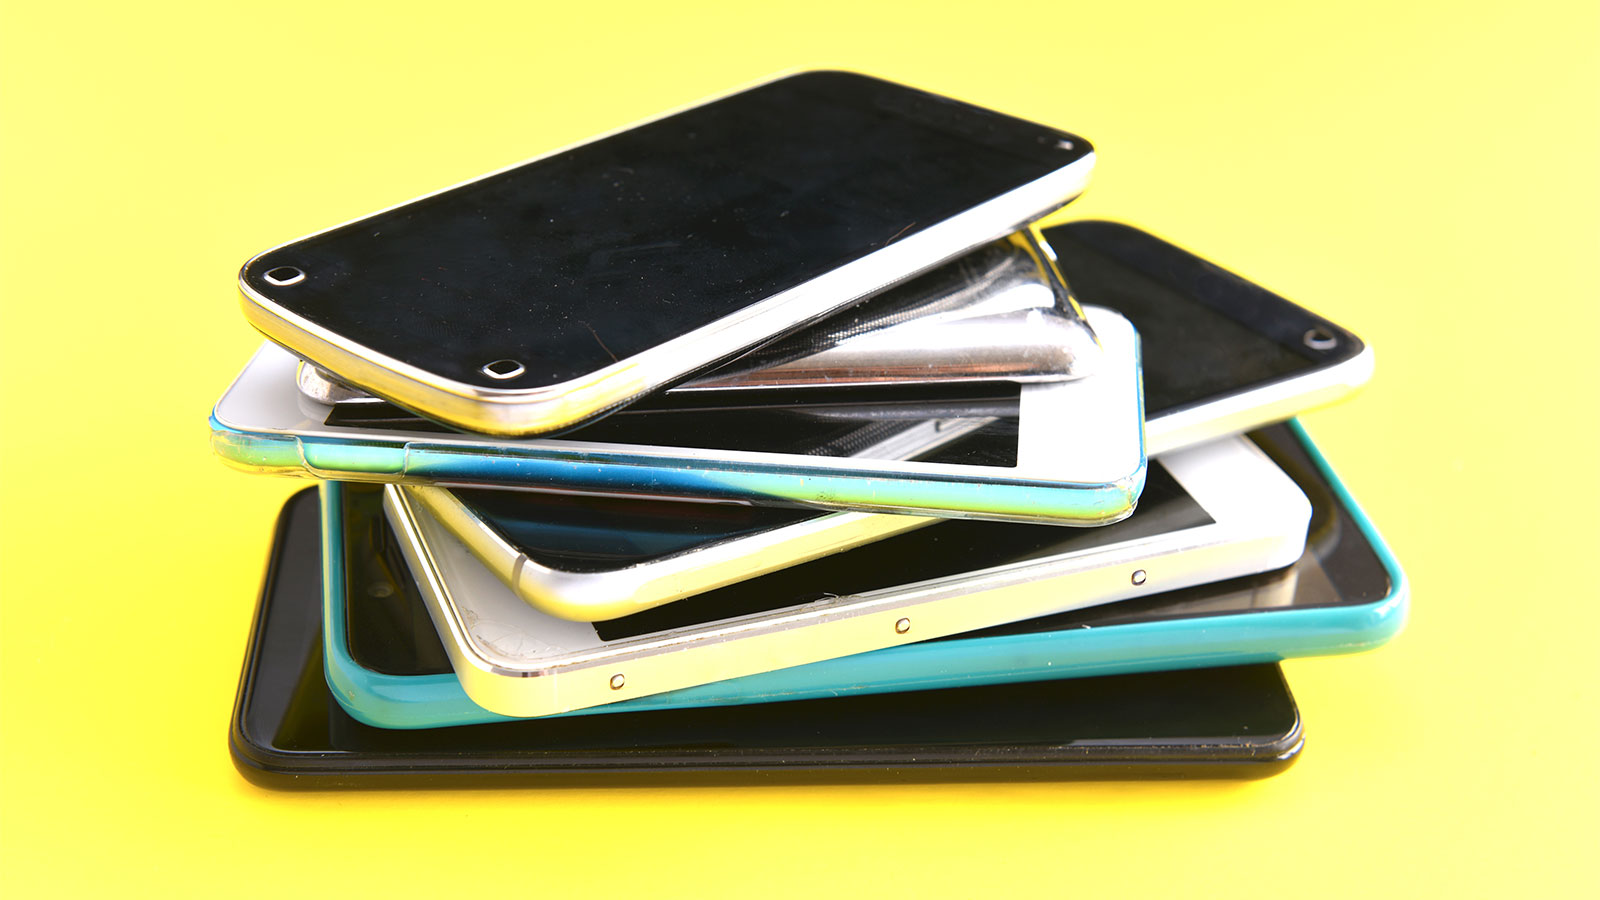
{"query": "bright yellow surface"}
{"type": "Point", "coordinates": [1423, 174]}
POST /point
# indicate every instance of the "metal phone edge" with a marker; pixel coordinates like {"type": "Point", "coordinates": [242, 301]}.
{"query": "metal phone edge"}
{"type": "Point", "coordinates": [598, 596]}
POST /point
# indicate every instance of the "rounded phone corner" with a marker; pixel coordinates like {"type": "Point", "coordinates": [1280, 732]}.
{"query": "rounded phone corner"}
{"type": "Point", "coordinates": [1356, 371]}
{"type": "Point", "coordinates": [1380, 622]}
{"type": "Point", "coordinates": [256, 764]}
{"type": "Point", "coordinates": [257, 454]}
{"type": "Point", "coordinates": [1129, 489]}
{"type": "Point", "coordinates": [249, 294]}
{"type": "Point", "coordinates": [573, 596]}
{"type": "Point", "coordinates": [1289, 749]}
{"type": "Point", "coordinates": [347, 681]}
{"type": "Point", "coordinates": [829, 73]}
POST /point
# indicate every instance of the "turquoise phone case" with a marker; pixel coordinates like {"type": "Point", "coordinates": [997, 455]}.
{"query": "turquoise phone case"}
{"type": "Point", "coordinates": [1234, 638]}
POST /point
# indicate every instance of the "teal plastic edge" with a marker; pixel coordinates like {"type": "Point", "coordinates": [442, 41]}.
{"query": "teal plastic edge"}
{"type": "Point", "coordinates": [390, 701]}
{"type": "Point", "coordinates": [418, 461]}
{"type": "Point", "coordinates": [374, 698]}
{"type": "Point", "coordinates": [257, 452]}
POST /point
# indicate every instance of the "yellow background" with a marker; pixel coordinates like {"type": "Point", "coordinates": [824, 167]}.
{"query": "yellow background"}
{"type": "Point", "coordinates": [1425, 173]}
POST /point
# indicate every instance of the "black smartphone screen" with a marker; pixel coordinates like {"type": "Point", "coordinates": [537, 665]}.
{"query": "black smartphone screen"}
{"type": "Point", "coordinates": [1204, 333]}
{"type": "Point", "coordinates": [592, 255]}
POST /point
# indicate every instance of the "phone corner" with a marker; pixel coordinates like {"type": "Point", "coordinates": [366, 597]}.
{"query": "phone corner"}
{"type": "Point", "coordinates": [258, 764]}
{"type": "Point", "coordinates": [1383, 621]}
{"type": "Point", "coordinates": [1113, 502]}
{"type": "Point", "coordinates": [830, 73]}
{"type": "Point", "coordinates": [575, 596]}
{"type": "Point", "coordinates": [1132, 485]}
{"type": "Point", "coordinates": [266, 454]}
{"type": "Point", "coordinates": [1285, 752]}
{"type": "Point", "coordinates": [508, 693]}
{"type": "Point", "coordinates": [258, 308]}
{"type": "Point", "coordinates": [1359, 369]}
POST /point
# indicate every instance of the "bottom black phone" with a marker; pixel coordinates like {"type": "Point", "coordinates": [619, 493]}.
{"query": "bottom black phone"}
{"type": "Point", "coordinates": [1237, 722]}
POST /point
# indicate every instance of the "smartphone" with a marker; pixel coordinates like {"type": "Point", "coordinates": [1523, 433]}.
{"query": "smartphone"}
{"type": "Point", "coordinates": [998, 313]}
{"type": "Point", "coordinates": [538, 297]}
{"type": "Point", "coordinates": [1211, 512]}
{"type": "Point", "coordinates": [1220, 355]}
{"type": "Point", "coordinates": [1345, 594]}
{"type": "Point", "coordinates": [1062, 452]}
{"type": "Point", "coordinates": [288, 731]}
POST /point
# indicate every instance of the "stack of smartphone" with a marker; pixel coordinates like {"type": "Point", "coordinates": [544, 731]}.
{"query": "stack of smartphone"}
{"type": "Point", "coordinates": [772, 434]}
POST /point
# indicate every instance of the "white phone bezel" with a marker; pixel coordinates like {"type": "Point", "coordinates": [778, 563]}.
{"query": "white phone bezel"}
{"type": "Point", "coordinates": [514, 660]}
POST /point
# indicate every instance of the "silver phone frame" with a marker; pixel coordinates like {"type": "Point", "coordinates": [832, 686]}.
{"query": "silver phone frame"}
{"type": "Point", "coordinates": [1259, 523]}
{"type": "Point", "coordinates": [540, 410]}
